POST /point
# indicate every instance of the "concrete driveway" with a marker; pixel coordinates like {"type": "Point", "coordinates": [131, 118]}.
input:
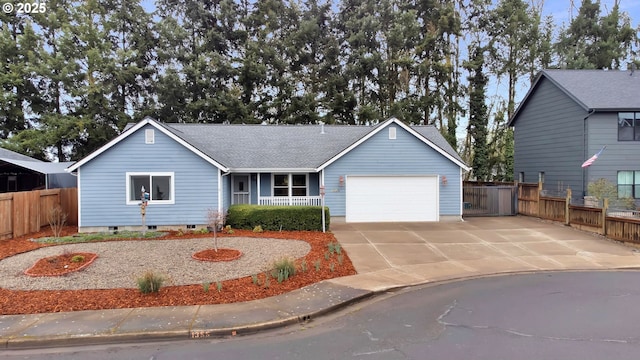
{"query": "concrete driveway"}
{"type": "Point", "coordinates": [388, 255]}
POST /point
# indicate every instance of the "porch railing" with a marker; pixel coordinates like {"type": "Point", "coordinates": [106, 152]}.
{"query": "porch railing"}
{"type": "Point", "coordinates": [241, 198]}
{"type": "Point", "coordinates": [290, 200]}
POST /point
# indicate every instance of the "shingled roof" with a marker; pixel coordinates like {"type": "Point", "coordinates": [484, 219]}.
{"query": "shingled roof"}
{"type": "Point", "coordinates": [11, 155]}
{"type": "Point", "coordinates": [282, 146]}
{"type": "Point", "coordinates": [594, 90]}
{"type": "Point", "coordinates": [277, 147]}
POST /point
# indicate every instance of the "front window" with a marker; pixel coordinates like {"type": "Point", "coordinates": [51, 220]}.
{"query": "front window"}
{"type": "Point", "coordinates": [289, 185]}
{"type": "Point", "coordinates": [628, 184]}
{"type": "Point", "coordinates": [160, 187]}
{"type": "Point", "coordinates": [280, 185]}
{"type": "Point", "coordinates": [629, 126]}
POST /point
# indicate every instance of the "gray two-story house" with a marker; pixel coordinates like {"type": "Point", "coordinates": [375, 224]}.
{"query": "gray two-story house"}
{"type": "Point", "coordinates": [568, 116]}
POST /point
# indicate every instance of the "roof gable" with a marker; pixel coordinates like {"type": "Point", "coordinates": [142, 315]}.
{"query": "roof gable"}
{"type": "Point", "coordinates": [440, 149]}
{"type": "Point", "coordinates": [137, 127]}
{"type": "Point", "coordinates": [593, 90]}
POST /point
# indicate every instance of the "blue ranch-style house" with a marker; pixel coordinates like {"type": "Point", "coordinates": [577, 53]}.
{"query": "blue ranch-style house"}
{"type": "Point", "coordinates": [387, 172]}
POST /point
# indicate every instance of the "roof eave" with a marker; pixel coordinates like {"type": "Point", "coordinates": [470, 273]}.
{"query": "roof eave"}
{"type": "Point", "coordinates": [133, 129]}
{"type": "Point", "coordinates": [272, 170]}
{"type": "Point", "coordinates": [536, 81]}
{"type": "Point", "coordinates": [405, 127]}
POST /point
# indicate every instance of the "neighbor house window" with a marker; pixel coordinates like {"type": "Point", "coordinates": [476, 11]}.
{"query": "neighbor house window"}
{"type": "Point", "coordinates": [629, 126]}
{"type": "Point", "coordinates": [160, 187]}
{"type": "Point", "coordinates": [629, 184]}
{"type": "Point", "coordinates": [289, 185]}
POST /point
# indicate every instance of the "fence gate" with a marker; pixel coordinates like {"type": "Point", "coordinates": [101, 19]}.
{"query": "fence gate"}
{"type": "Point", "coordinates": [497, 200]}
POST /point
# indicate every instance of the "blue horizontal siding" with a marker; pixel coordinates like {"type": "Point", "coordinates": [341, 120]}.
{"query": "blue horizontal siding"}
{"type": "Point", "coordinates": [103, 183]}
{"type": "Point", "coordinates": [406, 155]}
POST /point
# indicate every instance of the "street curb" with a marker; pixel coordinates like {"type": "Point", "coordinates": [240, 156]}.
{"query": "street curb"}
{"type": "Point", "coordinates": [269, 325]}
{"type": "Point", "coordinates": [26, 343]}
{"type": "Point", "coordinates": [100, 339]}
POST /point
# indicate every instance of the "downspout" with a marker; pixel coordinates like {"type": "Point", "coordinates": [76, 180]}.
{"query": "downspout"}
{"type": "Point", "coordinates": [585, 153]}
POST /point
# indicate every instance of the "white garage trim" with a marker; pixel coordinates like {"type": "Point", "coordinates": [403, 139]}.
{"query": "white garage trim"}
{"type": "Point", "coordinates": [392, 198]}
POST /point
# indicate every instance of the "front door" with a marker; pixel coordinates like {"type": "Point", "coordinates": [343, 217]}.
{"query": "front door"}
{"type": "Point", "coordinates": [240, 191]}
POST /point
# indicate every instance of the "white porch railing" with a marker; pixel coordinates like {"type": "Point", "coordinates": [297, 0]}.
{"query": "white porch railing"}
{"type": "Point", "coordinates": [241, 198]}
{"type": "Point", "coordinates": [290, 200]}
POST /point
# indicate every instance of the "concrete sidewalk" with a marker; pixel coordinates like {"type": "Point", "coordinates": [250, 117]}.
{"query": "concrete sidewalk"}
{"type": "Point", "coordinates": [386, 256]}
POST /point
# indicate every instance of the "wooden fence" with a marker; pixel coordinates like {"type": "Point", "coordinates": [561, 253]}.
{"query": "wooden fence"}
{"type": "Point", "coordinates": [595, 219]}
{"type": "Point", "coordinates": [28, 211]}
{"type": "Point", "coordinates": [528, 198]}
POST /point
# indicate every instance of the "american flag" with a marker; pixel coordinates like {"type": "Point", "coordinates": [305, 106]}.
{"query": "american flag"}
{"type": "Point", "coordinates": [592, 159]}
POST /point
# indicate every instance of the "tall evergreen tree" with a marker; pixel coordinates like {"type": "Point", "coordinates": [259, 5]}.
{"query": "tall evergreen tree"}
{"type": "Point", "coordinates": [595, 42]}
{"type": "Point", "coordinates": [18, 46]}
{"type": "Point", "coordinates": [478, 120]}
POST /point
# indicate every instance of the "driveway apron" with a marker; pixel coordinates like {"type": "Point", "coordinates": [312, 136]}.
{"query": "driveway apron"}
{"type": "Point", "coordinates": [388, 255]}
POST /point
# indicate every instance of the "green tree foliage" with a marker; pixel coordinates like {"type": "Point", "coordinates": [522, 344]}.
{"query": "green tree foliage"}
{"type": "Point", "coordinates": [18, 46]}
{"type": "Point", "coordinates": [595, 41]}
{"type": "Point", "coordinates": [72, 77]}
{"type": "Point", "coordinates": [478, 120]}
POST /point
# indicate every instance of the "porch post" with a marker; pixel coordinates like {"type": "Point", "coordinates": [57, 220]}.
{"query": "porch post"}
{"type": "Point", "coordinates": [258, 188]}
{"type": "Point", "coordinates": [290, 189]}
{"type": "Point", "coordinates": [322, 200]}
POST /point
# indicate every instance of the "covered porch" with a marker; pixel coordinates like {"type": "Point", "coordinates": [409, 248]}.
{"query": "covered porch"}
{"type": "Point", "coordinates": [275, 189]}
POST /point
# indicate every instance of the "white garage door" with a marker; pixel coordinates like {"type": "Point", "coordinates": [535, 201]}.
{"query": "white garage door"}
{"type": "Point", "coordinates": [391, 198]}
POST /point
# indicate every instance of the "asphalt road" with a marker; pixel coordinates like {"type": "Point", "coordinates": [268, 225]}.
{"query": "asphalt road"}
{"type": "Point", "coordinates": [581, 315]}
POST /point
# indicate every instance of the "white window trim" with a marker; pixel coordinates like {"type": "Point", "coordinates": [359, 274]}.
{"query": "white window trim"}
{"type": "Point", "coordinates": [290, 183]}
{"type": "Point", "coordinates": [149, 136]}
{"type": "Point", "coordinates": [151, 202]}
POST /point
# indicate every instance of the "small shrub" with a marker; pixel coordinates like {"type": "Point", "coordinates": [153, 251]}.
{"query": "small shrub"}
{"type": "Point", "coordinates": [303, 265]}
{"type": "Point", "coordinates": [57, 218]}
{"type": "Point", "coordinates": [150, 282]}
{"type": "Point", "coordinates": [317, 265]}
{"type": "Point", "coordinates": [331, 248]}
{"type": "Point", "coordinates": [338, 248]}
{"type": "Point", "coordinates": [283, 269]}
{"type": "Point", "coordinates": [255, 280]}
{"type": "Point", "coordinates": [277, 218]}
{"type": "Point", "coordinates": [219, 285]}
{"type": "Point", "coordinates": [205, 286]}
{"type": "Point", "coordinates": [267, 282]}
{"type": "Point", "coordinates": [332, 267]}
{"type": "Point", "coordinates": [327, 255]}
{"type": "Point", "coordinates": [257, 229]}
{"type": "Point", "coordinates": [340, 259]}
{"type": "Point", "coordinates": [204, 231]}
{"type": "Point", "coordinates": [77, 258]}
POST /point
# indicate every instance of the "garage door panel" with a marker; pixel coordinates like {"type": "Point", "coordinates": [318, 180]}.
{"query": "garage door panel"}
{"type": "Point", "coordinates": [391, 198]}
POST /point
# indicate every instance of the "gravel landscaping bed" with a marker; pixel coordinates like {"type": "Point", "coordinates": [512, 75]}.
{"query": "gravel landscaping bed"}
{"type": "Point", "coordinates": [120, 263]}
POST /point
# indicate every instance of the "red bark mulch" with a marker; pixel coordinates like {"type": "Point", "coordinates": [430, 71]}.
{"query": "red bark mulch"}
{"type": "Point", "coordinates": [59, 265]}
{"type": "Point", "coordinates": [236, 290]}
{"type": "Point", "coordinates": [219, 255]}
